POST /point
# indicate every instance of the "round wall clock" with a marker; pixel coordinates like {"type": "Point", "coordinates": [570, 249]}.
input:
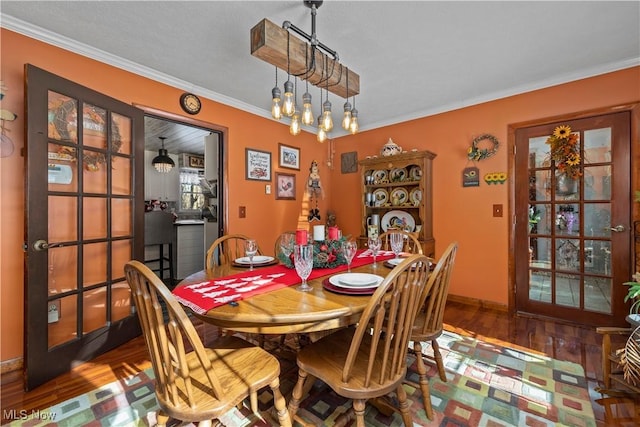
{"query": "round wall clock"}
{"type": "Point", "coordinates": [190, 103]}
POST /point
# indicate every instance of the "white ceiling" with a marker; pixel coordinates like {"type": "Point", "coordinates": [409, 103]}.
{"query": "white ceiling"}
{"type": "Point", "coordinates": [414, 58]}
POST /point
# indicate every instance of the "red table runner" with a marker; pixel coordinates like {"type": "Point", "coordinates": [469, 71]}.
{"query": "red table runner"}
{"type": "Point", "coordinates": [204, 296]}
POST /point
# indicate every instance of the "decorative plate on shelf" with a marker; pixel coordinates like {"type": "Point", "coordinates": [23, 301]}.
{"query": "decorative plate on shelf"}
{"type": "Point", "coordinates": [399, 196]}
{"type": "Point", "coordinates": [398, 175]}
{"type": "Point", "coordinates": [398, 219]}
{"type": "Point", "coordinates": [380, 197]}
{"type": "Point", "coordinates": [415, 196]}
{"type": "Point", "coordinates": [415, 173]}
{"type": "Point", "coordinates": [380, 176]}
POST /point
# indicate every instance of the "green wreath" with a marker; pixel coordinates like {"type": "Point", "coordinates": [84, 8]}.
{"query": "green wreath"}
{"type": "Point", "coordinates": [476, 154]}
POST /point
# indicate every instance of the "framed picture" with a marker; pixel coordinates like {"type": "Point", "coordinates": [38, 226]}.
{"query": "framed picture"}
{"type": "Point", "coordinates": [285, 186]}
{"type": "Point", "coordinates": [258, 164]}
{"type": "Point", "coordinates": [289, 157]}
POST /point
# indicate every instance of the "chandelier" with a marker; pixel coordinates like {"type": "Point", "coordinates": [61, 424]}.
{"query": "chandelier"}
{"type": "Point", "coordinates": [162, 162]}
{"type": "Point", "coordinates": [307, 59]}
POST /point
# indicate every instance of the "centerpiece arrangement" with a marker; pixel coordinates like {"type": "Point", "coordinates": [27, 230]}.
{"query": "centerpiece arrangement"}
{"type": "Point", "coordinates": [327, 253]}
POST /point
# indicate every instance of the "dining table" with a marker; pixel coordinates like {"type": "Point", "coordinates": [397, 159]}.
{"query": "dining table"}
{"type": "Point", "coordinates": [286, 310]}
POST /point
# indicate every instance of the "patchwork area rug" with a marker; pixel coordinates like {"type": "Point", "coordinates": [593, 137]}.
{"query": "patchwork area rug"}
{"type": "Point", "coordinates": [487, 385]}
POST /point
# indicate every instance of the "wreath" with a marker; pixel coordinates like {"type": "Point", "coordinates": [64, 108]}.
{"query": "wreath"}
{"type": "Point", "coordinates": [476, 154]}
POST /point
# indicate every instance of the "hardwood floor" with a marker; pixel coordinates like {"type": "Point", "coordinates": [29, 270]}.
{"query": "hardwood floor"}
{"type": "Point", "coordinates": [560, 341]}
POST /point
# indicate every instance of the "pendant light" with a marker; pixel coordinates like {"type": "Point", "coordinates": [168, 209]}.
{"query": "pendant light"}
{"type": "Point", "coordinates": [276, 106]}
{"type": "Point", "coordinates": [346, 118]}
{"type": "Point", "coordinates": [162, 162]}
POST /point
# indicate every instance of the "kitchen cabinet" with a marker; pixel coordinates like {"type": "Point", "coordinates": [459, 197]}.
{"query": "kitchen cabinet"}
{"type": "Point", "coordinates": [398, 189]}
{"type": "Point", "coordinates": [190, 248]}
{"type": "Point", "coordinates": [159, 185]}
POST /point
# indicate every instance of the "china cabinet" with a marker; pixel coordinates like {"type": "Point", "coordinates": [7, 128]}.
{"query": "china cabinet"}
{"type": "Point", "coordinates": [397, 193]}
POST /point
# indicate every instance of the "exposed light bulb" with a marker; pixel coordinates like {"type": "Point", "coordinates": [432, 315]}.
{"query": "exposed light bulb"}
{"type": "Point", "coordinates": [307, 112]}
{"type": "Point", "coordinates": [322, 135]}
{"type": "Point", "coordinates": [276, 106]}
{"type": "Point", "coordinates": [346, 118]}
{"type": "Point", "coordinates": [288, 104]}
{"type": "Point", "coordinates": [353, 126]}
{"type": "Point", "coordinates": [294, 129]}
{"type": "Point", "coordinates": [327, 120]}
{"type": "Point", "coordinates": [163, 167]}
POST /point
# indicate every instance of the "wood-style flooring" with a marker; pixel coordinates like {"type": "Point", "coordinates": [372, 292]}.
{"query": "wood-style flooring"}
{"type": "Point", "coordinates": [557, 340]}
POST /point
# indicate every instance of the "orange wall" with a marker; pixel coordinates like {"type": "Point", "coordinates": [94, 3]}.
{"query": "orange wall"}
{"type": "Point", "coordinates": [266, 216]}
{"type": "Point", "coordinates": [465, 214]}
{"type": "Point", "coordinates": [462, 214]}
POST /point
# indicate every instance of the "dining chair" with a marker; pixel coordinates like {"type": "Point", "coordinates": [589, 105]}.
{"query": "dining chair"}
{"type": "Point", "coordinates": [226, 249]}
{"type": "Point", "coordinates": [411, 243]}
{"type": "Point", "coordinates": [428, 325]}
{"type": "Point", "coordinates": [369, 360]}
{"type": "Point", "coordinates": [194, 383]}
{"type": "Point", "coordinates": [277, 250]}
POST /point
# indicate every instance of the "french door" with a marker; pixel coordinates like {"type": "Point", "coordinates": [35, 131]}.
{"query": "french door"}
{"type": "Point", "coordinates": [84, 207]}
{"type": "Point", "coordinates": [572, 237]}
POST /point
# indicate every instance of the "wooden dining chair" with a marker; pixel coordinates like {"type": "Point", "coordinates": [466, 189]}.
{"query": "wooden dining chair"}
{"type": "Point", "coordinates": [428, 325]}
{"type": "Point", "coordinates": [277, 250]}
{"type": "Point", "coordinates": [411, 243]}
{"type": "Point", "coordinates": [194, 383]}
{"type": "Point", "coordinates": [369, 360]}
{"type": "Point", "coordinates": [226, 249]}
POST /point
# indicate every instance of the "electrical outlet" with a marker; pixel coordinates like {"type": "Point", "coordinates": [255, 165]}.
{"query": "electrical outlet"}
{"type": "Point", "coordinates": [497, 210]}
{"type": "Point", "coordinates": [267, 189]}
{"type": "Point", "coordinates": [242, 212]}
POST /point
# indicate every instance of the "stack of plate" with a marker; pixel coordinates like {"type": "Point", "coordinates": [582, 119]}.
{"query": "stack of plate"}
{"type": "Point", "coordinates": [353, 283]}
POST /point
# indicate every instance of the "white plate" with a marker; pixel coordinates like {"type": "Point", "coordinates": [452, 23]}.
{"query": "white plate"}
{"type": "Point", "coordinates": [400, 195]}
{"type": "Point", "coordinates": [395, 261]}
{"type": "Point", "coordinates": [415, 196]}
{"type": "Point", "coordinates": [398, 219]}
{"type": "Point", "coordinates": [380, 197]}
{"type": "Point", "coordinates": [356, 280]}
{"type": "Point", "coordinates": [398, 175]}
{"type": "Point", "coordinates": [415, 173]}
{"type": "Point", "coordinates": [258, 259]}
{"type": "Point", "coordinates": [380, 176]}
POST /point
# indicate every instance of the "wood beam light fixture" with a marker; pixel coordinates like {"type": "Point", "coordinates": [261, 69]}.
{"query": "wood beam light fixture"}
{"type": "Point", "coordinates": [303, 56]}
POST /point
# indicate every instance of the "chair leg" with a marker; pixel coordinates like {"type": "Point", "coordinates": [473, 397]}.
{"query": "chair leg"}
{"type": "Point", "coordinates": [438, 358]}
{"type": "Point", "coordinates": [280, 404]}
{"type": "Point", "coordinates": [161, 418]}
{"type": "Point", "coordinates": [403, 405]}
{"type": "Point", "coordinates": [296, 394]}
{"type": "Point", "coordinates": [606, 363]}
{"type": "Point", "coordinates": [424, 380]}
{"type": "Point", "coordinates": [358, 408]}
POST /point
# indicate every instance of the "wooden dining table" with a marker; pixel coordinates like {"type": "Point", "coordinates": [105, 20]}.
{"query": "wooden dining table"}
{"type": "Point", "coordinates": [286, 310]}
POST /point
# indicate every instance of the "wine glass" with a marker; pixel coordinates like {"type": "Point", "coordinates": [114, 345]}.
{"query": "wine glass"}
{"type": "Point", "coordinates": [250, 249]}
{"type": "Point", "coordinates": [303, 261]}
{"type": "Point", "coordinates": [374, 244]}
{"type": "Point", "coordinates": [287, 241]}
{"type": "Point", "coordinates": [397, 241]}
{"type": "Point", "coordinates": [349, 250]}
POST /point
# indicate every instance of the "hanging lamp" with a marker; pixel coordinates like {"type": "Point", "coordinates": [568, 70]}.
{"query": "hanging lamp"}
{"type": "Point", "coordinates": [162, 162]}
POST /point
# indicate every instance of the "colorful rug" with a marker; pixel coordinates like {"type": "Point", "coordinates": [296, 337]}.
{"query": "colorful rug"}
{"type": "Point", "coordinates": [487, 385]}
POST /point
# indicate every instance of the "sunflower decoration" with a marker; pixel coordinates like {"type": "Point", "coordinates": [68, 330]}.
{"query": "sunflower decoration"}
{"type": "Point", "coordinates": [565, 151]}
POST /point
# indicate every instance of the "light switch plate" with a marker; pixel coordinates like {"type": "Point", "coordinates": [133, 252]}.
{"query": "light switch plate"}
{"type": "Point", "coordinates": [497, 211]}
{"type": "Point", "coordinates": [267, 189]}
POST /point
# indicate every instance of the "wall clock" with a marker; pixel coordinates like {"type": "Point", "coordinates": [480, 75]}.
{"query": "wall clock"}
{"type": "Point", "coordinates": [190, 103]}
{"type": "Point", "coordinates": [349, 162]}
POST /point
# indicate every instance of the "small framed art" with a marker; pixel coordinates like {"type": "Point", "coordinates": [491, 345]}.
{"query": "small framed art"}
{"type": "Point", "coordinates": [289, 157]}
{"type": "Point", "coordinates": [285, 186]}
{"type": "Point", "coordinates": [258, 164]}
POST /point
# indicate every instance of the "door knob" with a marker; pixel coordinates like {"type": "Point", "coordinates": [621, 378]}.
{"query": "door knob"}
{"type": "Point", "coordinates": [43, 245]}
{"type": "Point", "coordinates": [618, 228]}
